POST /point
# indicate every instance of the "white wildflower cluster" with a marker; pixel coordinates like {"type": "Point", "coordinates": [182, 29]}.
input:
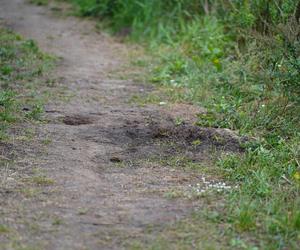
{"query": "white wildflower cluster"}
{"type": "Point", "coordinates": [211, 185]}
{"type": "Point", "coordinates": [162, 103]}
{"type": "Point", "coordinates": [174, 83]}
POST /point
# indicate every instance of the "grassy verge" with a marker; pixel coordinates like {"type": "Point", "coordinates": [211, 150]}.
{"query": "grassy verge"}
{"type": "Point", "coordinates": [241, 61]}
{"type": "Point", "coordinates": [22, 66]}
{"type": "Point", "coordinates": [256, 92]}
{"type": "Point", "coordinates": [24, 89]}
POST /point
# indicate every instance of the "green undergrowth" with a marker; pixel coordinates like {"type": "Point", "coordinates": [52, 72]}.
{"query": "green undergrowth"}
{"type": "Point", "coordinates": [22, 70]}
{"type": "Point", "coordinates": [241, 61]}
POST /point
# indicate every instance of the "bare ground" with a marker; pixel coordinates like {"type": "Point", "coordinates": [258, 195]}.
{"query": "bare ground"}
{"type": "Point", "coordinates": [100, 181]}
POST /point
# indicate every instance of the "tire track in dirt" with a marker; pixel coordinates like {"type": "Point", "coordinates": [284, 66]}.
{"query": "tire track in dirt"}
{"type": "Point", "coordinates": [105, 191]}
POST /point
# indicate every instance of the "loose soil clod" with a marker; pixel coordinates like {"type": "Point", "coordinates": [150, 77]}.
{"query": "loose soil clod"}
{"type": "Point", "coordinates": [77, 120]}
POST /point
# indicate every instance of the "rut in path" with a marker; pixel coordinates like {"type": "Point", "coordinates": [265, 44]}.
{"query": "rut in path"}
{"type": "Point", "coordinates": [105, 190]}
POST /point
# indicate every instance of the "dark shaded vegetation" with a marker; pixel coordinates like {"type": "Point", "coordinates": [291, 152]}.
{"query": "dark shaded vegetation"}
{"type": "Point", "coordinates": [240, 60]}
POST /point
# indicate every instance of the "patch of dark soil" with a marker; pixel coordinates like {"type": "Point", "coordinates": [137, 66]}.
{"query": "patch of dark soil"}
{"type": "Point", "coordinates": [197, 137]}
{"type": "Point", "coordinates": [115, 159]}
{"type": "Point", "coordinates": [144, 137]}
{"type": "Point", "coordinates": [142, 133]}
{"type": "Point", "coordinates": [6, 151]}
{"type": "Point", "coordinates": [76, 120]}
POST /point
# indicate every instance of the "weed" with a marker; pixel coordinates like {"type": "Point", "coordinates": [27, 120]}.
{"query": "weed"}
{"type": "Point", "coordinates": [179, 121]}
{"type": "Point", "coordinates": [42, 180]}
{"type": "Point", "coordinates": [29, 192]}
{"type": "Point", "coordinates": [35, 113]}
{"type": "Point", "coordinates": [46, 141]}
{"type": "Point", "coordinates": [196, 143]}
{"type": "Point", "coordinates": [83, 211]}
{"type": "Point", "coordinates": [57, 222]}
{"type": "Point", "coordinates": [173, 194]}
{"type": "Point", "coordinates": [4, 229]}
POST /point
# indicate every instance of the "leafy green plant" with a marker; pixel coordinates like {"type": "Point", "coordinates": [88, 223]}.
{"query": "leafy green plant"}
{"type": "Point", "coordinates": [7, 105]}
{"type": "Point", "coordinates": [36, 112]}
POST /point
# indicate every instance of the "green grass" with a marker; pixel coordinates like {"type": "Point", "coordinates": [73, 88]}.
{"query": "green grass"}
{"type": "Point", "coordinates": [42, 180]}
{"type": "Point", "coordinates": [22, 67]}
{"type": "Point", "coordinates": [257, 105]}
{"type": "Point", "coordinates": [257, 94]}
{"type": "Point", "coordinates": [4, 229]}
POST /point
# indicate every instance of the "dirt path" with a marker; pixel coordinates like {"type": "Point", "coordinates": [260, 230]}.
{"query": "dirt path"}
{"type": "Point", "coordinates": [108, 186]}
